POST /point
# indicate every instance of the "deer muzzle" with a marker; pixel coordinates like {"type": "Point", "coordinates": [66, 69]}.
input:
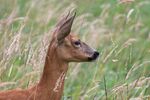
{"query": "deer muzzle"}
{"type": "Point", "coordinates": [94, 56]}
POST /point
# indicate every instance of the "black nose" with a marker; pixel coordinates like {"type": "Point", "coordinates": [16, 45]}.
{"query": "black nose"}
{"type": "Point", "coordinates": [94, 56]}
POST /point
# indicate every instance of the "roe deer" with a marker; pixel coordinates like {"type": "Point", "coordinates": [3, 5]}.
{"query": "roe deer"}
{"type": "Point", "coordinates": [64, 48]}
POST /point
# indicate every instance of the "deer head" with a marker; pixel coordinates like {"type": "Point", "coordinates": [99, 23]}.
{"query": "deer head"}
{"type": "Point", "coordinates": [68, 46]}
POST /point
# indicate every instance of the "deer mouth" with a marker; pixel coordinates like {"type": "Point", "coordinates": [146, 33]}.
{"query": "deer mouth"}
{"type": "Point", "coordinates": [94, 56]}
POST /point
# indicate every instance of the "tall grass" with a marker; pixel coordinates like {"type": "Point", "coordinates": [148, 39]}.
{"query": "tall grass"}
{"type": "Point", "coordinates": [119, 30]}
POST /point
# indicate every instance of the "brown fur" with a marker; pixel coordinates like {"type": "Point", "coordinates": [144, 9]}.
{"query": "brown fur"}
{"type": "Point", "coordinates": [46, 89]}
{"type": "Point", "coordinates": [60, 52]}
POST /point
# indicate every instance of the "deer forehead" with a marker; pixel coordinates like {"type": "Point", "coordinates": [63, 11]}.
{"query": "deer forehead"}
{"type": "Point", "coordinates": [73, 37]}
{"type": "Point", "coordinates": [70, 39]}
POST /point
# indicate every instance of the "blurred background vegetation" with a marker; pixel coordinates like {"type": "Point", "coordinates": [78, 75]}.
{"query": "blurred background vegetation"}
{"type": "Point", "coordinates": [119, 30]}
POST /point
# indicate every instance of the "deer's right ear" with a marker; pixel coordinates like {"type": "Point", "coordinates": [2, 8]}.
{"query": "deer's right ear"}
{"type": "Point", "coordinates": [64, 27]}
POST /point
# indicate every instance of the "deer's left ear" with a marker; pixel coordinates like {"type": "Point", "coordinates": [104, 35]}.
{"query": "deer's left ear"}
{"type": "Point", "coordinates": [64, 27]}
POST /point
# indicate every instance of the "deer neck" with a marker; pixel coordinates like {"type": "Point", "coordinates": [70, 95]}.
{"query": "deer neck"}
{"type": "Point", "coordinates": [52, 80]}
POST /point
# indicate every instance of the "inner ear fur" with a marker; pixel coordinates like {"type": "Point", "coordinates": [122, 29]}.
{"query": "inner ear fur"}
{"type": "Point", "coordinates": [64, 27]}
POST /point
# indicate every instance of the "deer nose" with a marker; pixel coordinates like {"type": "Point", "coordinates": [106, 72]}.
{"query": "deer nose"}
{"type": "Point", "coordinates": [94, 56]}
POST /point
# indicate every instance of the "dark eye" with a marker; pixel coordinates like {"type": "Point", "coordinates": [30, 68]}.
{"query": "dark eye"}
{"type": "Point", "coordinates": [77, 43]}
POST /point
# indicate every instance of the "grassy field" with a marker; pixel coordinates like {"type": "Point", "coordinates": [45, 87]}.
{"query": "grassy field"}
{"type": "Point", "coordinates": [120, 31]}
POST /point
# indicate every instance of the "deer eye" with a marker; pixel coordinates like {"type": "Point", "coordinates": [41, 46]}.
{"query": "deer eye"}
{"type": "Point", "coordinates": [77, 43]}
